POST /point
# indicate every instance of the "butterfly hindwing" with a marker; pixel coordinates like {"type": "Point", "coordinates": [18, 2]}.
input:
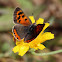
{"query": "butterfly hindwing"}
{"type": "Point", "coordinates": [38, 29]}
{"type": "Point", "coordinates": [20, 31]}
{"type": "Point", "coordinates": [33, 34]}
{"type": "Point", "coordinates": [20, 18]}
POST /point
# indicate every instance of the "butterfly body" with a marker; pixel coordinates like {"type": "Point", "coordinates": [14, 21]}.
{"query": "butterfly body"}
{"type": "Point", "coordinates": [24, 27]}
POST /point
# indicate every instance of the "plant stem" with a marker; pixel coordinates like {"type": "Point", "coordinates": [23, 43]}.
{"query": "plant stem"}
{"type": "Point", "coordinates": [50, 53]}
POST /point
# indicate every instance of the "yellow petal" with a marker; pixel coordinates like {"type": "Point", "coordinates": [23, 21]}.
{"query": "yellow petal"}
{"type": "Point", "coordinates": [23, 49]}
{"type": "Point", "coordinates": [45, 36]}
{"type": "Point", "coordinates": [37, 46]}
{"type": "Point", "coordinates": [46, 25]}
{"type": "Point", "coordinates": [40, 21]}
{"type": "Point", "coordinates": [15, 49]}
{"type": "Point", "coordinates": [33, 45]}
{"type": "Point", "coordinates": [40, 46]}
{"type": "Point", "coordinates": [19, 42]}
{"type": "Point", "coordinates": [32, 19]}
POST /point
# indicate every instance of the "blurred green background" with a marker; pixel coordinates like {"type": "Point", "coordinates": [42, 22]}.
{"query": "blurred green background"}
{"type": "Point", "coordinates": [49, 10]}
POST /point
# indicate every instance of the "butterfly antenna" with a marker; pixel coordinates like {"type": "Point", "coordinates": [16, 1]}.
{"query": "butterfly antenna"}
{"type": "Point", "coordinates": [32, 14]}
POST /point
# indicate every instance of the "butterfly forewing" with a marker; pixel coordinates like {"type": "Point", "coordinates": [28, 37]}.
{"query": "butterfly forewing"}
{"type": "Point", "coordinates": [20, 18]}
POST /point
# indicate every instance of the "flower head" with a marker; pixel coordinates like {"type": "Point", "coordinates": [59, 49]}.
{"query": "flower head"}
{"type": "Point", "coordinates": [22, 47]}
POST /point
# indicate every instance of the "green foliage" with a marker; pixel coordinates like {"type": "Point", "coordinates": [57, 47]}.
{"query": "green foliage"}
{"type": "Point", "coordinates": [5, 47]}
{"type": "Point", "coordinates": [6, 20]}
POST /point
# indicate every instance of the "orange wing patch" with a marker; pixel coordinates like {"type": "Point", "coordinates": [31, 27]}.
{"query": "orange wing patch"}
{"type": "Point", "coordinates": [19, 17]}
{"type": "Point", "coordinates": [22, 19]}
{"type": "Point", "coordinates": [29, 40]}
{"type": "Point", "coordinates": [16, 35]}
{"type": "Point", "coordinates": [39, 28]}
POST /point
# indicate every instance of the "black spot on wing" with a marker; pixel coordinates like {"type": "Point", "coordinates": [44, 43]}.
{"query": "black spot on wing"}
{"type": "Point", "coordinates": [23, 16]}
{"type": "Point", "coordinates": [15, 19]}
{"type": "Point", "coordinates": [20, 13]}
{"type": "Point", "coordinates": [18, 17]}
{"type": "Point", "coordinates": [17, 37]}
{"type": "Point", "coordinates": [19, 21]}
{"type": "Point", "coordinates": [25, 19]}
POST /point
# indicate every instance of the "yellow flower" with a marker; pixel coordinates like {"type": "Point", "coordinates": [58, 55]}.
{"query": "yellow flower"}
{"type": "Point", "coordinates": [22, 47]}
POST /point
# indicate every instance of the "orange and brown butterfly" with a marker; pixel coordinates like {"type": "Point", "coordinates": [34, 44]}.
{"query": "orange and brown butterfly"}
{"type": "Point", "coordinates": [24, 27]}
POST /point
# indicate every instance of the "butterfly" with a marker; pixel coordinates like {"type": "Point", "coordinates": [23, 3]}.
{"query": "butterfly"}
{"type": "Point", "coordinates": [24, 27]}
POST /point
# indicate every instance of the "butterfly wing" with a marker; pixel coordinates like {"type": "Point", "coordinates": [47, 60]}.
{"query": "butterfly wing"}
{"type": "Point", "coordinates": [32, 35]}
{"type": "Point", "coordinates": [20, 31]}
{"type": "Point", "coordinates": [20, 18]}
{"type": "Point", "coordinates": [39, 28]}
